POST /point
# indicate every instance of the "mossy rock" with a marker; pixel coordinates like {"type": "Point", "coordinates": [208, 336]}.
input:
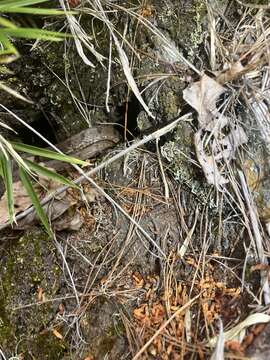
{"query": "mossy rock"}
{"type": "Point", "coordinates": [28, 265]}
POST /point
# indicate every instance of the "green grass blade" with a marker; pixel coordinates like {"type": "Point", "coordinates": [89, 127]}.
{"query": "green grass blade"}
{"type": "Point", "coordinates": [34, 11]}
{"type": "Point", "coordinates": [31, 33]}
{"type": "Point", "coordinates": [9, 149]}
{"type": "Point", "coordinates": [1, 170]}
{"type": "Point", "coordinates": [33, 150]}
{"type": "Point", "coordinates": [8, 52]}
{"type": "Point", "coordinates": [41, 170]}
{"type": "Point", "coordinates": [12, 3]}
{"type": "Point", "coordinates": [6, 43]}
{"type": "Point", "coordinates": [8, 181]}
{"type": "Point", "coordinates": [26, 181]}
{"type": "Point", "coordinates": [5, 71]}
{"type": "Point", "coordinates": [6, 23]}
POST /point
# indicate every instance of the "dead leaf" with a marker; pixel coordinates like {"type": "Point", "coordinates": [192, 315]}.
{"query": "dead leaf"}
{"type": "Point", "coordinates": [158, 313]}
{"type": "Point", "coordinates": [61, 308]}
{"type": "Point", "coordinates": [40, 294]}
{"type": "Point", "coordinates": [219, 147]}
{"type": "Point", "coordinates": [90, 193]}
{"type": "Point", "coordinates": [138, 280]}
{"type": "Point", "coordinates": [260, 267]}
{"type": "Point", "coordinates": [21, 201]}
{"type": "Point", "coordinates": [44, 182]}
{"type": "Point", "coordinates": [208, 163]}
{"type": "Point", "coordinates": [202, 96]}
{"type": "Point", "coordinates": [234, 346]}
{"type": "Point", "coordinates": [226, 147]}
{"type": "Point", "coordinates": [231, 73]}
{"type": "Point", "coordinates": [57, 334]}
{"type": "Point", "coordinates": [237, 333]}
{"type": "Point", "coordinates": [255, 331]}
{"type": "Point", "coordinates": [54, 210]}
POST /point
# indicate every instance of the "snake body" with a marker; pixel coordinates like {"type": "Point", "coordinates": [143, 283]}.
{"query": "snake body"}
{"type": "Point", "coordinates": [86, 144]}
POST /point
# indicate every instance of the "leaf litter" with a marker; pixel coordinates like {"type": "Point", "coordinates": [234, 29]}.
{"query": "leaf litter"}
{"type": "Point", "coordinates": [209, 138]}
{"type": "Point", "coordinates": [63, 211]}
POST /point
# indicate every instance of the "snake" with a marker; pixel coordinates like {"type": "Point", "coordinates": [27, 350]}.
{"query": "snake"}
{"type": "Point", "coordinates": [86, 144]}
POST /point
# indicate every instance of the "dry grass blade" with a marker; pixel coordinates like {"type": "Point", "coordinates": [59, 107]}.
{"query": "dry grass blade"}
{"type": "Point", "coordinates": [124, 61]}
{"type": "Point", "coordinates": [81, 38]}
{"type": "Point", "coordinates": [254, 6]}
{"type": "Point", "coordinates": [14, 93]}
{"type": "Point", "coordinates": [218, 353]}
{"type": "Point", "coordinates": [258, 237]}
{"type": "Point", "coordinates": [238, 331]}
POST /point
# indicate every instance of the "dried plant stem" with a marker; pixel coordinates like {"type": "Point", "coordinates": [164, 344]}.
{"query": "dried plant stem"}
{"type": "Point", "coordinates": [254, 6]}
{"type": "Point", "coordinates": [257, 234]}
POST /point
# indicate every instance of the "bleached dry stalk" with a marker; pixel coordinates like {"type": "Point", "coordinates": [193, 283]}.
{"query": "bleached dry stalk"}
{"type": "Point", "coordinates": [257, 234]}
{"type": "Point", "coordinates": [65, 265]}
{"type": "Point", "coordinates": [254, 6]}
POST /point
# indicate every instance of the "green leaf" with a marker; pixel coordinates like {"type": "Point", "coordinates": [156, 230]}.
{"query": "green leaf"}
{"type": "Point", "coordinates": [6, 173]}
{"type": "Point", "coordinates": [6, 23]}
{"type": "Point", "coordinates": [33, 150]}
{"type": "Point", "coordinates": [49, 174]}
{"type": "Point", "coordinates": [4, 70]}
{"type": "Point", "coordinates": [6, 44]}
{"type": "Point", "coordinates": [1, 170]}
{"type": "Point", "coordinates": [31, 33]}
{"type": "Point", "coordinates": [34, 11]}
{"type": "Point", "coordinates": [26, 181]}
{"type": "Point", "coordinates": [8, 52]}
{"type": "Point", "coordinates": [12, 3]}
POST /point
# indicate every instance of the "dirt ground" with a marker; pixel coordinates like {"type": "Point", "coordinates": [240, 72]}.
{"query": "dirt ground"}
{"type": "Point", "coordinates": [104, 290]}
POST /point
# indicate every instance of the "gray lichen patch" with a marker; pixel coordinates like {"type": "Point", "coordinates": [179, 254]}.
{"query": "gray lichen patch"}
{"type": "Point", "coordinates": [179, 151]}
{"type": "Point", "coordinates": [183, 22]}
